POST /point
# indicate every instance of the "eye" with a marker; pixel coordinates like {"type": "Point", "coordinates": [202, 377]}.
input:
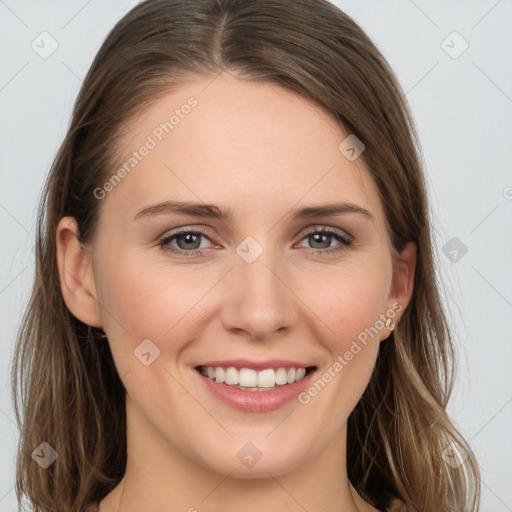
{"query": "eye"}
{"type": "Point", "coordinates": [324, 237]}
{"type": "Point", "coordinates": [187, 242]}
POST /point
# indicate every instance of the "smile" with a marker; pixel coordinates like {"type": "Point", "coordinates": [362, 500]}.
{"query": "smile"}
{"type": "Point", "coordinates": [249, 379]}
{"type": "Point", "coordinates": [265, 387]}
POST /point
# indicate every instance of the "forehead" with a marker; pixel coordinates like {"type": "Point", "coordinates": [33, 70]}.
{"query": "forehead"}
{"type": "Point", "coordinates": [232, 141]}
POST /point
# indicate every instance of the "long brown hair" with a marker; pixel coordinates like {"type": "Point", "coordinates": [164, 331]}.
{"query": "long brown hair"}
{"type": "Point", "coordinates": [65, 386]}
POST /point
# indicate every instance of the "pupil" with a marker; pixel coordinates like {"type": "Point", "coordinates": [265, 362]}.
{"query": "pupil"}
{"type": "Point", "coordinates": [318, 236]}
{"type": "Point", "coordinates": [190, 238]}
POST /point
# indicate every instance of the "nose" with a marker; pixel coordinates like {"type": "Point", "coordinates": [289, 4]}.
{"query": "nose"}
{"type": "Point", "coordinates": [259, 299]}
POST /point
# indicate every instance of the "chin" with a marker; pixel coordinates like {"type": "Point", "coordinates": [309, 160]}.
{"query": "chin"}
{"type": "Point", "coordinates": [249, 462]}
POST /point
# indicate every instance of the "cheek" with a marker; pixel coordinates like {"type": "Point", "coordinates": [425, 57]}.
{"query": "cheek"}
{"type": "Point", "coordinates": [348, 300]}
{"type": "Point", "coordinates": [156, 302]}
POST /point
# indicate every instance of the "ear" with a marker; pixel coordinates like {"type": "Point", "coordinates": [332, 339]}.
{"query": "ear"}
{"type": "Point", "coordinates": [76, 274]}
{"type": "Point", "coordinates": [402, 286]}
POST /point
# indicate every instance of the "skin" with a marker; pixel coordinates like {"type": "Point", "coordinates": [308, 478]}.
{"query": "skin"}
{"type": "Point", "coordinates": [261, 151]}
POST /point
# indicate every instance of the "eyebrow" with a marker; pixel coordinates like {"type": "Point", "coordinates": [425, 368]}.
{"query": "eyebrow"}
{"type": "Point", "coordinates": [213, 211]}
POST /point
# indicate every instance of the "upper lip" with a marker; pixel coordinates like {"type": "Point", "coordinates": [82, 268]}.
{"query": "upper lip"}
{"type": "Point", "coordinates": [257, 365]}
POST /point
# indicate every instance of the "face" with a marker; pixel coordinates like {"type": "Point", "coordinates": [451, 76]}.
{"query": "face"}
{"type": "Point", "coordinates": [249, 283]}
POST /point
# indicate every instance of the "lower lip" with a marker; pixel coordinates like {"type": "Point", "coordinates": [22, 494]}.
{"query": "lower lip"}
{"type": "Point", "coordinates": [256, 401]}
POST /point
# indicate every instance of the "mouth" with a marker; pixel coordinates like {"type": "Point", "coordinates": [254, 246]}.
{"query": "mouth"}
{"type": "Point", "coordinates": [249, 379]}
{"type": "Point", "coordinates": [264, 387]}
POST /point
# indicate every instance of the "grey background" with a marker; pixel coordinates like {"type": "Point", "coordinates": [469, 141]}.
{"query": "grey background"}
{"type": "Point", "coordinates": [463, 111]}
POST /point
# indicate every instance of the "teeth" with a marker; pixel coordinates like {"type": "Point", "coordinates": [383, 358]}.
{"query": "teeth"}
{"type": "Point", "coordinates": [231, 376]}
{"type": "Point", "coordinates": [281, 376]}
{"type": "Point", "coordinates": [247, 377]}
{"type": "Point", "coordinates": [219, 374]}
{"type": "Point", "coordinates": [252, 380]}
{"type": "Point", "coordinates": [266, 378]}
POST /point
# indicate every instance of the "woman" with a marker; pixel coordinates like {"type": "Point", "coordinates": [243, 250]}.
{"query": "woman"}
{"type": "Point", "coordinates": [254, 368]}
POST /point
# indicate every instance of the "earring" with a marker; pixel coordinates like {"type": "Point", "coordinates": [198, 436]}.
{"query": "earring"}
{"type": "Point", "coordinates": [390, 324]}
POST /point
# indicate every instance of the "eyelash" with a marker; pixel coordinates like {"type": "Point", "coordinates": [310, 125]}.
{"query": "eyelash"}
{"type": "Point", "coordinates": [346, 242]}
